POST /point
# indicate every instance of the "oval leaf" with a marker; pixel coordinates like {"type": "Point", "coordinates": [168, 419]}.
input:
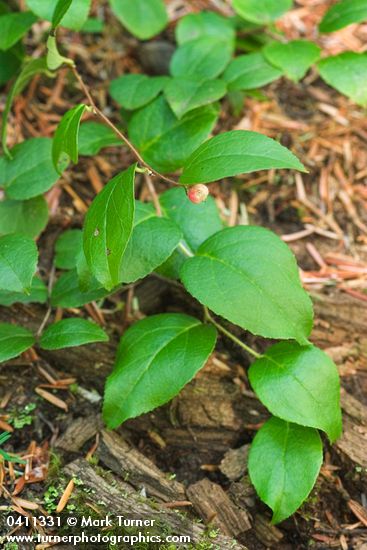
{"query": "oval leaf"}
{"type": "Point", "coordinates": [342, 14]}
{"type": "Point", "coordinates": [108, 226]}
{"type": "Point", "coordinates": [184, 95]}
{"type": "Point", "coordinates": [38, 294]}
{"type": "Point", "coordinates": [236, 152]}
{"type": "Point", "coordinates": [69, 333]}
{"type": "Point", "coordinates": [94, 136]}
{"type": "Point", "coordinates": [293, 58]}
{"type": "Point", "coordinates": [65, 142]}
{"type": "Point", "coordinates": [284, 462]}
{"type": "Point", "coordinates": [74, 18]}
{"type": "Point", "coordinates": [347, 73]}
{"type": "Point", "coordinates": [301, 385]}
{"type": "Point", "coordinates": [23, 217]}
{"type": "Point", "coordinates": [250, 71]}
{"type": "Point", "coordinates": [18, 263]}
{"type": "Point", "coordinates": [143, 18]}
{"type": "Point", "coordinates": [13, 26]}
{"type": "Point", "coordinates": [262, 12]}
{"type": "Point", "coordinates": [67, 292]}
{"type": "Point", "coordinates": [133, 91]}
{"type": "Point", "coordinates": [67, 248]}
{"type": "Point", "coordinates": [156, 358]}
{"type": "Point", "coordinates": [13, 341]}
{"type": "Point", "coordinates": [204, 23]}
{"type": "Point", "coordinates": [203, 58]}
{"type": "Point", "coordinates": [250, 277]}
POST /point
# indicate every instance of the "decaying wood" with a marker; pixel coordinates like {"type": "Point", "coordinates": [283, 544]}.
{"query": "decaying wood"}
{"type": "Point", "coordinates": [140, 472]}
{"type": "Point", "coordinates": [215, 507]}
{"type": "Point", "coordinates": [353, 442]}
{"type": "Point", "coordinates": [78, 432]}
{"type": "Point", "coordinates": [234, 463]}
{"type": "Point", "coordinates": [131, 504]}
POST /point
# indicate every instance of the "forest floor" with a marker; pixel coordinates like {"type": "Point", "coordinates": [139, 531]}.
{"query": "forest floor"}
{"type": "Point", "coordinates": [190, 455]}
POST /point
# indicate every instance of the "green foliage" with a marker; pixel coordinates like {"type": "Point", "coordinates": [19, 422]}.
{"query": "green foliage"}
{"type": "Point", "coordinates": [24, 217]}
{"type": "Point", "coordinates": [185, 94]}
{"type": "Point", "coordinates": [342, 14]}
{"type": "Point", "coordinates": [54, 59]}
{"type": "Point", "coordinates": [10, 62]}
{"type": "Point", "coordinates": [284, 463]}
{"type": "Point", "coordinates": [236, 152]}
{"type": "Point", "coordinates": [10, 458]}
{"type": "Point", "coordinates": [250, 71]}
{"type": "Point", "coordinates": [263, 12]}
{"type": "Point", "coordinates": [67, 248]}
{"type": "Point", "coordinates": [70, 333]}
{"type": "Point", "coordinates": [108, 226]}
{"type": "Point", "coordinates": [67, 292]}
{"type": "Point", "coordinates": [30, 172]}
{"type": "Point", "coordinates": [94, 136]}
{"type": "Point", "coordinates": [203, 58]}
{"type": "Point", "coordinates": [299, 384]}
{"type": "Point", "coordinates": [13, 26]}
{"type": "Point", "coordinates": [37, 294]}
{"type": "Point", "coordinates": [74, 17]}
{"type": "Point", "coordinates": [14, 340]}
{"type": "Point", "coordinates": [18, 263]}
{"type": "Point", "coordinates": [165, 141]}
{"type": "Point", "coordinates": [60, 10]}
{"type": "Point", "coordinates": [65, 142]}
{"type": "Point", "coordinates": [251, 279]}
{"type": "Point", "coordinates": [133, 91]}
{"type": "Point", "coordinates": [155, 359]}
{"type": "Point", "coordinates": [202, 24]}
{"type": "Point", "coordinates": [143, 18]}
{"type": "Point", "coordinates": [347, 72]}
{"type": "Point", "coordinates": [293, 58]}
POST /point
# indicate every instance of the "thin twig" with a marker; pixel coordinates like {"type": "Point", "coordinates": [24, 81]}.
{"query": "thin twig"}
{"type": "Point", "coordinates": [153, 193]}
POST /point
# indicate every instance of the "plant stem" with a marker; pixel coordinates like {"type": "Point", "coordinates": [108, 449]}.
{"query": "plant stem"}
{"type": "Point", "coordinates": [226, 332]}
{"type": "Point", "coordinates": [186, 251]}
{"type": "Point", "coordinates": [105, 119]}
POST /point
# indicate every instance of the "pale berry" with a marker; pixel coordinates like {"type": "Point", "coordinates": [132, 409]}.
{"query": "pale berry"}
{"type": "Point", "coordinates": [198, 193]}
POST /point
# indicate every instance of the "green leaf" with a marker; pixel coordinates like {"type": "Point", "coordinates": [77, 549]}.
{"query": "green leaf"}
{"type": "Point", "coordinates": [13, 341]}
{"type": "Point", "coordinates": [166, 142]}
{"type": "Point", "coordinates": [35, 66]}
{"type": "Point", "coordinates": [61, 8]}
{"type": "Point", "coordinates": [301, 385]}
{"type": "Point", "coordinates": [13, 26]}
{"type": "Point", "coordinates": [156, 358]}
{"type": "Point", "coordinates": [250, 71]}
{"type": "Point", "coordinates": [54, 58]}
{"type": "Point", "coordinates": [38, 294]}
{"type": "Point", "coordinates": [94, 136]}
{"type": "Point", "coordinates": [203, 58]}
{"type": "Point", "coordinates": [133, 91]}
{"type": "Point", "coordinates": [18, 263]}
{"type": "Point", "coordinates": [202, 24]}
{"type": "Point", "coordinates": [152, 241]}
{"type": "Point", "coordinates": [263, 12]}
{"type": "Point", "coordinates": [347, 73]}
{"type": "Point", "coordinates": [293, 58]}
{"type": "Point", "coordinates": [65, 142]}
{"type": "Point", "coordinates": [250, 277]}
{"type": "Point", "coordinates": [67, 293]}
{"type": "Point", "coordinates": [184, 95]}
{"type": "Point", "coordinates": [143, 18]}
{"type": "Point", "coordinates": [236, 152]}
{"type": "Point", "coordinates": [108, 226]}
{"type": "Point", "coordinates": [70, 333]}
{"type": "Point", "coordinates": [67, 248]}
{"type": "Point", "coordinates": [342, 14]}
{"type": "Point", "coordinates": [23, 217]}
{"type": "Point", "coordinates": [30, 172]}
{"type": "Point", "coordinates": [74, 18]}
{"type": "Point", "coordinates": [93, 25]}
{"type": "Point", "coordinates": [284, 462]}
{"type": "Point", "coordinates": [10, 62]}
{"type": "Point", "coordinates": [196, 221]}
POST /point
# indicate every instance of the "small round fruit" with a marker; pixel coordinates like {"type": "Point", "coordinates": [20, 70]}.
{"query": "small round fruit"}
{"type": "Point", "coordinates": [198, 193]}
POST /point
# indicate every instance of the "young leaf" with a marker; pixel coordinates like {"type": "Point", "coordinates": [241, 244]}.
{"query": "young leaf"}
{"type": "Point", "coordinates": [54, 58]}
{"type": "Point", "coordinates": [250, 277]}
{"type": "Point", "coordinates": [108, 226]}
{"type": "Point", "coordinates": [94, 136]}
{"type": "Point", "coordinates": [74, 18]}
{"type": "Point", "coordinates": [156, 358]}
{"type": "Point", "coordinates": [65, 142]}
{"type": "Point", "coordinates": [23, 217]}
{"type": "Point", "coordinates": [143, 18]}
{"type": "Point", "coordinates": [250, 71]}
{"type": "Point", "coordinates": [13, 26]}
{"type": "Point", "coordinates": [67, 293]}
{"type": "Point", "coordinates": [284, 462]}
{"type": "Point", "coordinates": [166, 142]}
{"type": "Point", "coordinates": [301, 385]}
{"type": "Point", "coordinates": [67, 248]}
{"type": "Point", "coordinates": [342, 14]}
{"type": "Point", "coordinates": [38, 294]}
{"type": "Point", "coordinates": [347, 73]}
{"type": "Point", "coordinates": [61, 8]}
{"type": "Point", "coordinates": [202, 24]}
{"type": "Point", "coordinates": [293, 58]}
{"type": "Point", "coordinates": [13, 341]}
{"type": "Point", "coordinates": [263, 12]}
{"type": "Point", "coordinates": [69, 333]}
{"type": "Point", "coordinates": [133, 91]}
{"type": "Point", "coordinates": [236, 152]}
{"type": "Point", "coordinates": [18, 263]}
{"type": "Point", "coordinates": [203, 58]}
{"type": "Point", "coordinates": [184, 95]}
{"type": "Point", "coordinates": [152, 241]}
{"type": "Point", "coordinates": [30, 171]}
